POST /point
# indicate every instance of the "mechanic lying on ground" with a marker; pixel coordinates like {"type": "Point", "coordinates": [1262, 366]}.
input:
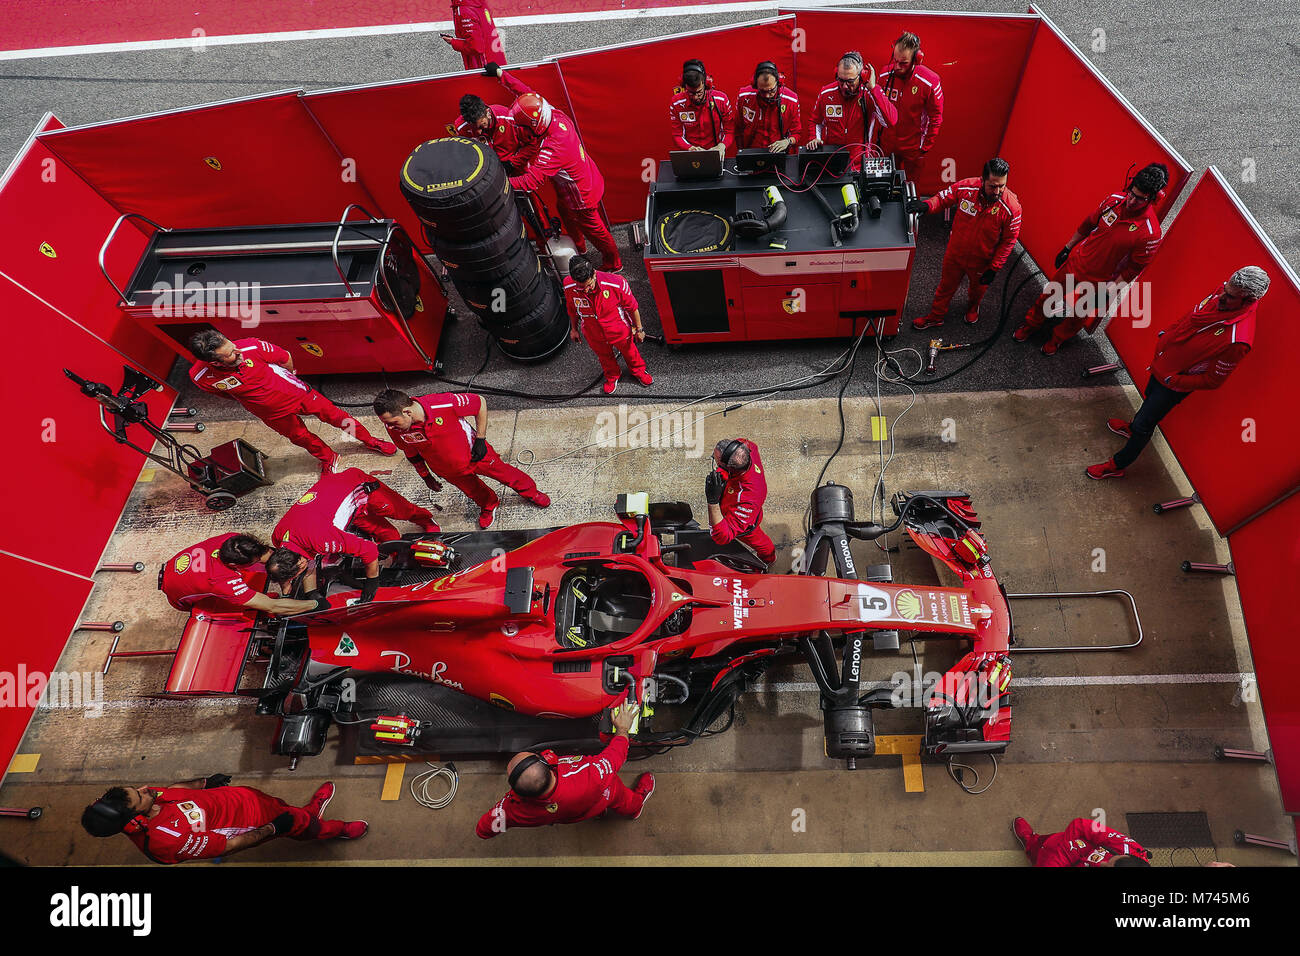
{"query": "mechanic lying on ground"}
{"type": "Point", "coordinates": [1085, 842]}
{"type": "Point", "coordinates": [434, 433]}
{"type": "Point", "coordinates": [316, 525]}
{"type": "Point", "coordinates": [546, 789]}
{"type": "Point", "coordinates": [735, 491]}
{"type": "Point", "coordinates": [1198, 352]}
{"type": "Point", "coordinates": [202, 819]}
{"type": "Point", "coordinates": [210, 576]}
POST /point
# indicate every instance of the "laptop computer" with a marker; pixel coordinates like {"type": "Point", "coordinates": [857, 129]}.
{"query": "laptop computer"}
{"type": "Point", "coordinates": [759, 161]}
{"type": "Point", "coordinates": [824, 162]}
{"type": "Point", "coordinates": [690, 165]}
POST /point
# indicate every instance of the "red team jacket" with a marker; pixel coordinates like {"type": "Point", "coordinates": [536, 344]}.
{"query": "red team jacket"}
{"type": "Point", "coordinates": [476, 40]}
{"type": "Point", "coordinates": [840, 122]}
{"type": "Point", "coordinates": [195, 824]}
{"type": "Point", "coordinates": [982, 235]}
{"type": "Point", "coordinates": [1201, 349]}
{"type": "Point", "coordinates": [315, 523]}
{"type": "Point", "coordinates": [918, 98]}
{"type": "Point", "coordinates": [742, 500]}
{"type": "Point", "coordinates": [701, 124]}
{"type": "Point", "coordinates": [195, 576]}
{"type": "Point", "coordinates": [1082, 845]}
{"type": "Point", "coordinates": [760, 124]}
{"type": "Point", "coordinates": [582, 792]}
{"type": "Point", "coordinates": [606, 313]}
{"type": "Point", "coordinates": [260, 384]}
{"type": "Point", "coordinates": [445, 438]}
{"type": "Point", "coordinates": [504, 136]}
{"type": "Point", "coordinates": [563, 158]}
{"type": "Point", "coordinates": [1116, 246]}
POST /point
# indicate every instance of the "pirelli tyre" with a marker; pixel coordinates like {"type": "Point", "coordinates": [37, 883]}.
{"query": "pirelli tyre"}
{"type": "Point", "coordinates": [458, 188]}
{"type": "Point", "coordinates": [503, 252]}
{"type": "Point", "coordinates": [537, 335]}
{"type": "Point", "coordinates": [507, 299]}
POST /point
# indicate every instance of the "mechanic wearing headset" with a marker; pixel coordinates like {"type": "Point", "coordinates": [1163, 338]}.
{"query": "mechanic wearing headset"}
{"type": "Point", "coordinates": [210, 576]}
{"type": "Point", "coordinates": [546, 789]}
{"type": "Point", "coordinates": [916, 93]}
{"type": "Point", "coordinates": [434, 433]}
{"type": "Point", "coordinates": [316, 525]}
{"type": "Point", "coordinates": [602, 305]}
{"type": "Point", "coordinates": [985, 227]}
{"type": "Point", "coordinates": [701, 115]}
{"type": "Point", "coordinates": [260, 377]}
{"type": "Point", "coordinates": [767, 112]}
{"type": "Point", "coordinates": [735, 491]}
{"type": "Point", "coordinates": [1198, 352]}
{"type": "Point", "coordinates": [476, 39]}
{"type": "Point", "coordinates": [1085, 842]}
{"type": "Point", "coordinates": [204, 818]}
{"type": "Point", "coordinates": [839, 118]}
{"type": "Point", "coordinates": [1115, 242]}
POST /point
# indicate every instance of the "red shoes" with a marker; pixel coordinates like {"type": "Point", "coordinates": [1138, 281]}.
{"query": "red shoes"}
{"type": "Point", "coordinates": [1119, 427]}
{"type": "Point", "coordinates": [539, 498]}
{"type": "Point", "coordinates": [320, 800]}
{"type": "Point", "coordinates": [609, 386]}
{"type": "Point", "coordinates": [927, 321]}
{"type": "Point", "coordinates": [1021, 334]}
{"type": "Point", "coordinates": [486, 517]}
{"type": "Point", "coordinates": [354, 830]}
{"type": "Point", "coordinates": [382, 447]}
{"type": "Point", "coordinates": [1023, 831]}
{"type": "Point", "coordinates": [1050, 347]}
{"type": "Point", "coordinates": [645, 378]}
{"type": "Point", "coordinates": [645, 785]}
{"type": "Point", "coordinates": [1107, 469]}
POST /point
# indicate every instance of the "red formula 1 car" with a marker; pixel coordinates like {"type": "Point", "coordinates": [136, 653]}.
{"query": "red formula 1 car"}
{"type": "Point", "coordinates": [488, 642]}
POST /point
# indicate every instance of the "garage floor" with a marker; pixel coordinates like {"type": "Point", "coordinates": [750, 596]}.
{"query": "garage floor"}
{"type": "Point", "coordinates": [1115, 732]}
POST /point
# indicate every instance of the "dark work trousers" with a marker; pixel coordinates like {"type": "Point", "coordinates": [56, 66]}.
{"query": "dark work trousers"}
{"type": "Point", "coordinates": [1159, 402]}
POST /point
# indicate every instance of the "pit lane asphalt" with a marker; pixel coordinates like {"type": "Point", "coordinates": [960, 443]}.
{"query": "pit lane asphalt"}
{"type": "Point", "coordinates": [1237, 103]}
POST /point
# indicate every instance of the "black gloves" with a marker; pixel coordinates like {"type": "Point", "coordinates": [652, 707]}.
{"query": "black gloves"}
{"type": "Point", "coordinates": [216, 780]}
{"type": "Point", "coordinates": [433, 483]}
{"type": "Point", "coordinates": [713, 486]}
{"type": "Point", "coordinates": [283, 823]}
{"type": "Point", "coordinates": [1062, 256]}
{"type": "Point", "coordinates": [479, 450]}
{"type": "Point", "coordinates": [322, 602]}
{"type": "Point", "coordinates": [370, 487]}
{"type": "Point", "coordinates": [368, 590]}
{"type": "Point", "coordinates": [988, 275]}
{"type": "Point", "coordinates": [491, 69]}
{"type": "Point", "coordinates": [915, 206]}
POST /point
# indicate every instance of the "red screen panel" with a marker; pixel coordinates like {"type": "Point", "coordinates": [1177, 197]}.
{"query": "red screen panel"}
{"type": "Point", "coordinates": [256, 161]}
{"type": "Point", "coordinates": [54, 227]}
{"type": "Point", "coordinates": [34, 639]}
{"type": "Point", "coordinates": [61, 460]}
{"type": "Point", "coordinates": [622, 94]}
{"type": "Point", "coordinates": [1072, 138]}
{"type": "Point", "coordinates": [1266, 554]}
{"type": "Point", "coordinates": [1212, 236]}
{"type": "Point", "coordinates": [978, 58]}
{"type": "Point", "coordinates": [408, 113]}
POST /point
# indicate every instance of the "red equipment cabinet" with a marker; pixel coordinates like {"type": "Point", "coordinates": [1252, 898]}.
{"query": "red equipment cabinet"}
{"type": "Point", "coordinates": [754, 292]}
{"type": "Point", "coordinates": [339, 297]}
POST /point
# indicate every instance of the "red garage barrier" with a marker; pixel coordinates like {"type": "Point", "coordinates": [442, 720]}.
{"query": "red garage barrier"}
{"type": "Point", "coordinates": [80, 476]}
{"type": "Point", "coordinates": [1266, 554]}
{"type": "Point", "coordinates": [621, 96]}
{"type": "Point", "coordinates": [978, 56]}
{"type": "Point", "coordinates": [1237, 444]}
{"type": "Point", "coordinates": [1070, 141]}
{"type": "Point", "coordinates": [54, 226]}
{"type": "Point", "coordinates": [378, 125]}
{"type": "Point", "coordinates": [243, 162]}
{"type": "Point", "coordinates": [28, 654]}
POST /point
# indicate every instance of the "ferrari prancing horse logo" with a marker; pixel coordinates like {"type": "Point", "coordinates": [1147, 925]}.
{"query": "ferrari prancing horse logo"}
{"type": "Point", "coordinates": [1076, 136]}
{"type": "Point", "coordinates": [313, 348]}
{"type": "Point", "coordinates": [213, 162]}
{"type": "Point", "coordinates": [48, 251]}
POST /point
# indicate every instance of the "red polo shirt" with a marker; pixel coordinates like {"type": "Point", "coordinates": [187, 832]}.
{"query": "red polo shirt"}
{"type": "Point", "coordinates": [445, 437]}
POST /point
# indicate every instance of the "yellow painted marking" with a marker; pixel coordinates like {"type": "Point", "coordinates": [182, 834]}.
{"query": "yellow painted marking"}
{"type": "Point", "coordinates": [393, 781]}
{"type": "Point", "coordinates": [24, 763]}
{"type": "Point", "coordinates": [907, 746]}
{"type": "Point", "coordinates": [146, 474]}
{"type": "Point", "coordinates": [879, 428]}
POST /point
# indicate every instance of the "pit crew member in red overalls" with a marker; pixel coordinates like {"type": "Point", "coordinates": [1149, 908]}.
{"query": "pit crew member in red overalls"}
{"type": "Point", "coordinates": [838, 117]}
{"type": "Point", "coordinates": [1115, 242]}
{"type": "Point", "coordinates": [316, 525]}
{"type": "Point", "coordinates": [1196, 353]}
{"type": "Point", "coordinates": [437, 438]}
{"type": "Point", "coordinates": [476, 40]}
{"type": "Point", "coordinates": [213, 576]}
{"type": "Point", "coordinates": [602, 306]}
{"type": "Point", "coordinates": [492, 124]}
{"type": "Point", "coordinates": [260, 377]}
{"type": "Point", "coordinates": [1084, 842]}
{"type": "Point", "coordinates": [546, 789]}
{"type": "Point", "coordinates": [562, 158]}
{"type": "Point", "coordinates": [701, 116]}
{"type": "Point", "coordinates": [735, 491]}
{"type": "Point", "coordinates": [767, 112]}
{"type": "Point", "coordinates": [985, 225]}
{"type": "Point", "coordinates": [203, 819]}
{"type": "Point", "coordinates": [917, 95]}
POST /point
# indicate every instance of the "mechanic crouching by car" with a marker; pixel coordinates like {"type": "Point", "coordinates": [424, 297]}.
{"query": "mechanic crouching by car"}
{"type": "Point", "coordinates": [210, 576]}
{"type": "Point", "coordinates": [546, 789]}
{"type": "Point", "coordinates": [735, 491]}
{"type": "Point", "coordinates": [204, 818]}
{"type": "Point", "coordinates": [1085, 842]}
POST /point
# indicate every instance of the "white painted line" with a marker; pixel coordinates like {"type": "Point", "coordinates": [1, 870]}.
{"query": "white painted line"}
{"type": "Point", "coordinates": [441, 26]}
{"type": "Point", "coordinates": [1103, 680]}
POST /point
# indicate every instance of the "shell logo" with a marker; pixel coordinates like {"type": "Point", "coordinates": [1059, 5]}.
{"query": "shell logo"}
{"type": "Point", "coordinates": [308, 498]}
{"type": "Point", "coordinates": [909, 605]}
{"type": "Point", "coordinates": [182, 563]}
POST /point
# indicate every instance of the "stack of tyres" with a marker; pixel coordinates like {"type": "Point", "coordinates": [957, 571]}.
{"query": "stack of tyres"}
{"type": "Point", "coordinates": [461, 193]}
